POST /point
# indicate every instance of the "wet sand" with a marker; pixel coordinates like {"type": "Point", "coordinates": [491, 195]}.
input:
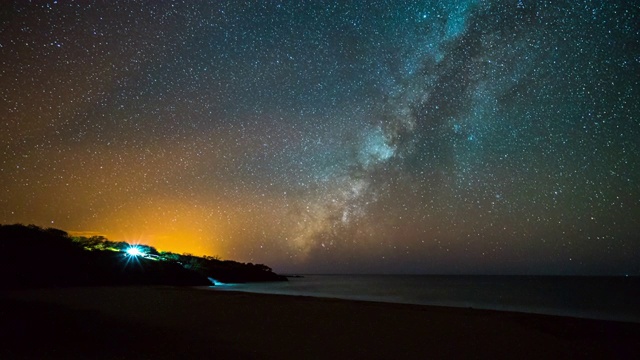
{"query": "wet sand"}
{"type": "Point", "coordinates": [188, 323]}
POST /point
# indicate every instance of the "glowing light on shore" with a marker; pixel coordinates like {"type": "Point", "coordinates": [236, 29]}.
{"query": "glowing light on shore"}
{"type": "Point", "coordinates": [218, 283]}
{"type": "Point", "coordinates": [134, 251]}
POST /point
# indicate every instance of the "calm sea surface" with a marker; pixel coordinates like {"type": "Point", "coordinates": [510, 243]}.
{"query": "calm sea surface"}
{"type": "Point", "coordinates": [610, 298]}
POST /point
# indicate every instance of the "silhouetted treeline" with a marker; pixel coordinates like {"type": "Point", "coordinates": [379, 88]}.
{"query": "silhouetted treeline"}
{"type": "Point", "coordinates": [34, 257]}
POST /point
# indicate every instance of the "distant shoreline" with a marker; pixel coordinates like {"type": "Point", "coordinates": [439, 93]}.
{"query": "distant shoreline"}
{"type": "Point", "coordinates": [586, 297]}
{"type": "Point", "coordinates": [169, 322]}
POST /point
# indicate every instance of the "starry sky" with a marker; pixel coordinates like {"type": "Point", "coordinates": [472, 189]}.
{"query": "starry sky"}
{"type": "Point", "coordinates": [448, 137]}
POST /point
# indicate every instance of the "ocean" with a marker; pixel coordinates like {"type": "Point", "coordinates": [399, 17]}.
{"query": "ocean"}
{"type": "Point", "coordinates": [605, 298]}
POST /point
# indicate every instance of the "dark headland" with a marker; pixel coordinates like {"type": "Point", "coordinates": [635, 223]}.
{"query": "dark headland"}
{"type": "Point", "coordinates": [34, 257]}
{"type": "Point", "coordinates": [68, 316]}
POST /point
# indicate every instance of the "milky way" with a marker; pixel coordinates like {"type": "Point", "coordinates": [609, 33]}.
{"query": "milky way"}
{"type": "Point", "coordinates": [429, 137]}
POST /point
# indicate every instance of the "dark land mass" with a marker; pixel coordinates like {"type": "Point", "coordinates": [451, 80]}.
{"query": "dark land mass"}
{"type": "Point", "coordinates": [54, 305]}
{"type": "Point", "coordinates": [34, 257]}
{"type": "Point", "coordinates": [184, 323]}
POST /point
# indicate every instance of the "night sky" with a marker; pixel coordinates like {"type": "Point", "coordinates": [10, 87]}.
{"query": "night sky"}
{"type": "Point", "coordinates": [481, 137]}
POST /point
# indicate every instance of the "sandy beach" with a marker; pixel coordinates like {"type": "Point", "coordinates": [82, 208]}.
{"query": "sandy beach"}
{"type": "Point", "coordinates": [188, 323]}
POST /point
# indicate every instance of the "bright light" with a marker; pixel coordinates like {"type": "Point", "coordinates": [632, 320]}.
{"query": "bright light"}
{"type": "Point", "coordinates": [134, 251]}
{"type": "Point", "coordinates": [216, 282]}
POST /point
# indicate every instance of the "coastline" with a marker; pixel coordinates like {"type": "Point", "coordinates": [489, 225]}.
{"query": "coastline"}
{"type": "Point", "coordinates": [588, 297]}
{"type": "Point", "coordinates": [170, 322]}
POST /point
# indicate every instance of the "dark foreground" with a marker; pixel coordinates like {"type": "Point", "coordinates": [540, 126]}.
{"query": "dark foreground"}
{"type": "Point", "coordinates": [169, 323]}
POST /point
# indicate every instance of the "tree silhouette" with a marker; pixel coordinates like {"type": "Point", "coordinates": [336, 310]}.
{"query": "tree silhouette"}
{"type": "Point", "coordinates": [32, 256]}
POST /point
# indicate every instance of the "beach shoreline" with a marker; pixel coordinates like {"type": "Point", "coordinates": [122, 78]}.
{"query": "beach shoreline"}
{"type": "Point", "coordinates": [600, 298]}
{"type": "Point", "coordinates": [170, 322]}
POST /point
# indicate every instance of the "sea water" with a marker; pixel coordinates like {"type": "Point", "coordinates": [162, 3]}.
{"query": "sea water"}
{"type": "Point", "coordinates": [606, 298]}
